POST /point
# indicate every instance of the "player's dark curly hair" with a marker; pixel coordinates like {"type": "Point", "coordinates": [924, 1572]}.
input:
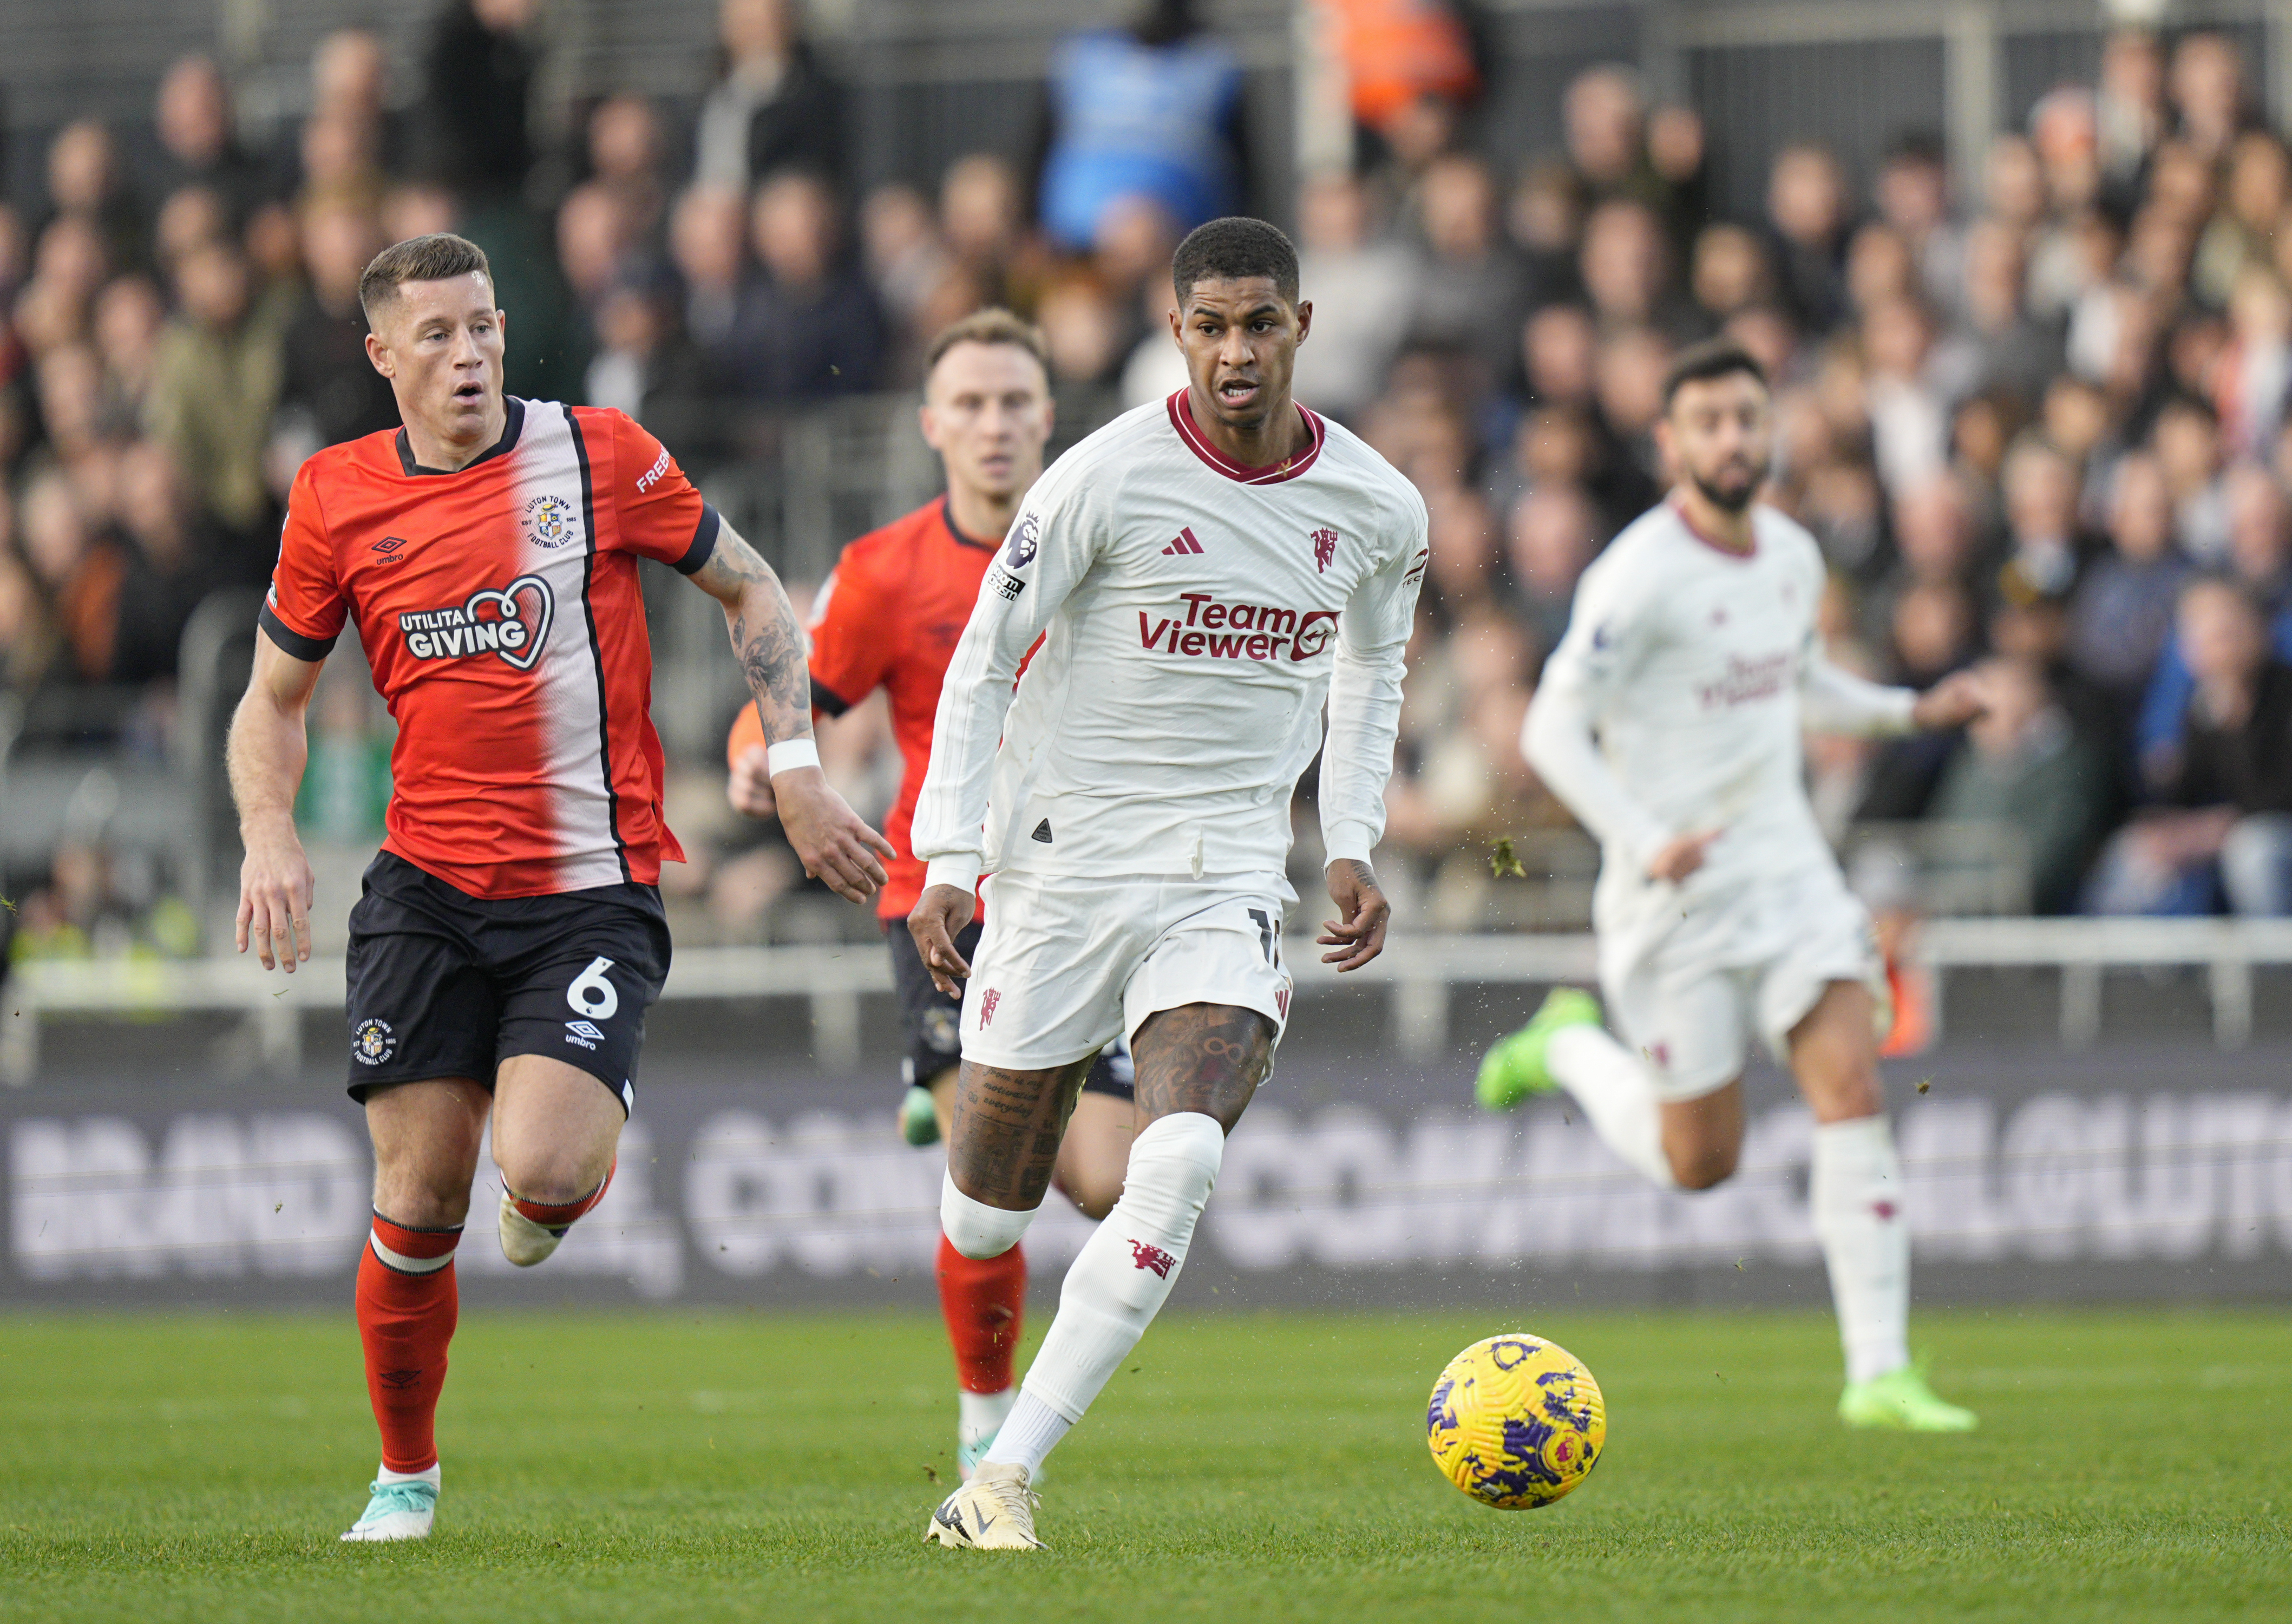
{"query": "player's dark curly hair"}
{"type": "Point", "coordinates": [433, 258]}
{"type": "Point", "coordinates": [1235, 246]}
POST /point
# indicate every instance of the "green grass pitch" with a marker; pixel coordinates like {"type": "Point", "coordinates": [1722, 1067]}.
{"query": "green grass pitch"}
{"type": "Point", "coordinates": [2132, 1463]}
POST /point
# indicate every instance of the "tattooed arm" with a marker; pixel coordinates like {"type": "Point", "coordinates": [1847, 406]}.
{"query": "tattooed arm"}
{"type": "Point", "coordinates": [829, 837]}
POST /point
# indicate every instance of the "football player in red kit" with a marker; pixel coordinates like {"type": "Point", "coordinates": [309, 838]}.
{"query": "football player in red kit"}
{"type": "Point", "coordinates": [510, 938]}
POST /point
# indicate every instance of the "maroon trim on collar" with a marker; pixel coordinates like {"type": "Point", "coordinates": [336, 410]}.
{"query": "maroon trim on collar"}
{"type": "Point", "coordinates": [1181, 418]}
{"type": "Point", "coordinates": [1739, 555]}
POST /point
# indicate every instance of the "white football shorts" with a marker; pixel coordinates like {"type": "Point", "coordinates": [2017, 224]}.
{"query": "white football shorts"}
{"type": "Point", "coordinates": [1068, 964]}
{"type": "Point", "coordinates": [1751, 963]}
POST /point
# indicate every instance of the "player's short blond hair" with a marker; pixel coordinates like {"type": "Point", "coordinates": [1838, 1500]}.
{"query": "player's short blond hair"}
{"type": "Point", "coordinates": [435, 258]}
{"type": "Point", "coordinates": [993, 325]}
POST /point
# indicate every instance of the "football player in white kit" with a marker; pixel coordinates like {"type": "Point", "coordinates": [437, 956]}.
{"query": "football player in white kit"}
{"type": "Point", "coordinates": [1669, 720]}
{"type": "Point", "coordinates": [1203, 574]}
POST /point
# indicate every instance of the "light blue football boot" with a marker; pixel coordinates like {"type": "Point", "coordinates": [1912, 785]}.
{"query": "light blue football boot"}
{"type": "Point", "coordinates": [400, 1509]}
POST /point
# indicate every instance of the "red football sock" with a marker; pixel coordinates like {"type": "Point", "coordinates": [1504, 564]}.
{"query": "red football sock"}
{"type": "Point", "coordinates": [407, 1305]}
{"type": "Point", "coordinates": [982, 1299]}
{"type": "Point", "coordinates": [560, 1216]}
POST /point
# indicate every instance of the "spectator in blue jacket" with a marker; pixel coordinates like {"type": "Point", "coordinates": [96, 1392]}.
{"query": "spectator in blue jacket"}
{"type": "Point", "coordinates": [1153, 110]}
{"type": "Point", "coordinates": [2260, 555]}
{"type": "Point", "coordinates": [2219, 827]}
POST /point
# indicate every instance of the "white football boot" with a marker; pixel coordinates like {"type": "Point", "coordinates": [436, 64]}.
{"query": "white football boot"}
{"type": "Point", "coordinates": [994, 1511]}
{"type": "Point", "coordinates": [524, 1242]}
{"type": "Point", "coordinates": [402, 1508]}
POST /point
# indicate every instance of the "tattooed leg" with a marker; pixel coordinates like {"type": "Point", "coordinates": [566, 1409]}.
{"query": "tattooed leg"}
{"type": "Point", "coordinates": [1004, 1140]}
{"type": "Point", "coordinates": [1201, 1058]}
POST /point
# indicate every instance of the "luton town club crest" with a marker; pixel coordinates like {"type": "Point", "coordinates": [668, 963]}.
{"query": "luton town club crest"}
{"type": "Point", "coordinates": [372, 1042]}
{"type": "Point", "coordinates": [549, 522]}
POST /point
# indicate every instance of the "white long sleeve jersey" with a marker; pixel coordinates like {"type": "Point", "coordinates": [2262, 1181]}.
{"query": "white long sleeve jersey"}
{"type": "Point", "coordinates": [1194, 617]}
{"type": "Point", "coordinates": [1674, 705]}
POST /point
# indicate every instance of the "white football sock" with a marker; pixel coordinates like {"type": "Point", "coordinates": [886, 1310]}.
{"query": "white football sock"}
{"type": "Point", "coordinates": [1118, 1282]}
{"type": "Point", "coordinates": [1618, 1093]}
{"type": "Point", "coordinates": [1032, 1431]}
{"type": "Point", "coordinates": [1857, 1199]}
{"type": "Point", "coordinates": [979, 1416]}
{"type": "Point", "coordinates": [975, 1229]}
{"type": "Point", "coordinates": [433, 1476]}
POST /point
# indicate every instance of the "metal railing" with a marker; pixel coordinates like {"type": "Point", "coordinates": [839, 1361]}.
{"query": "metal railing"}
{"type": "Point", "coordinates": [1417, 975]}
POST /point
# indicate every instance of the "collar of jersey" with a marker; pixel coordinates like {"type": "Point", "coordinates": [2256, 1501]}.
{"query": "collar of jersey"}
{"type": "Point", "coordinates": [512, 425]}
{"type": "Point", "coordinates": [946, 517]}
{"type": "Point", "coordinates": [1739, 555]}
{"type": "Point", "coordinates": [1181, 418]}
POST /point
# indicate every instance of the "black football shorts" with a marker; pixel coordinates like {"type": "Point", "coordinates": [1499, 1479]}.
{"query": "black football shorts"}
{"type": "Point", "coordinates": [446, 985]}
{"type": "Point", "coordinates": [931, 1023]}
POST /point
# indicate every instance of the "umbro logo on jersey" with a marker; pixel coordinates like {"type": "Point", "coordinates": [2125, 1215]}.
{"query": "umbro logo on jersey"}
{"type": "Point", "coordinates": [1185, 544]}
{"type": "Point", "coordinates": [513, 622]}
{"type": "Point", "coordinates": [388, 545]}
{"type": "Point", "coordinates": [582, 1032]}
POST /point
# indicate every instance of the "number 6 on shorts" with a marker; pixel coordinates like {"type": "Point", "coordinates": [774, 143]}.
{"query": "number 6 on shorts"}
{"type": "Point", "coordinates": [590, 994]}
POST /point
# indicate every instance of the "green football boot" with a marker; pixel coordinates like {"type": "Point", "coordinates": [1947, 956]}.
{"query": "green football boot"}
{"type": "Point", "coordinates": [1514, 1070]}
{"type": "Point", "coordinates": [918, 1117]}
{"type": "Point", "coordinates": [1901, 1401]}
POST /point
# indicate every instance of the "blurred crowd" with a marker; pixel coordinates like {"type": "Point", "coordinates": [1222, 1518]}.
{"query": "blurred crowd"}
{"type": "Point", "coordinates": [2036, 419]}
{"type": "Point", "coordinates": [2036, 416]}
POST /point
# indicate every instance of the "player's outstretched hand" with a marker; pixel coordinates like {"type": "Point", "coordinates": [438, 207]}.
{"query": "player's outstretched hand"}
{"type": "Point", "coordinates": [939, 918]}
{"type": "Point", "coordinates": [1359, 936]}
{"type": "Point", "coordinates": [275, 889]}
{"type": "Point", "coordinates": [830, 839]}
{"type": "Point", "coordinates": [1959, 698]}
{"type": "Point", "coordinates": [1680, 857]}
{"type": "Point", "coordinates": [750, 789]}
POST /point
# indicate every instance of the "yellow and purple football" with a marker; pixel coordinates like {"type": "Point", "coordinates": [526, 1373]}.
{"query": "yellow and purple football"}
{"type": "Point", "coordinates": [1516, 1421]}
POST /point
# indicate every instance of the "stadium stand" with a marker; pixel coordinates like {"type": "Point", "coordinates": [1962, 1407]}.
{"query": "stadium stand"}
{"type": "Point", "coordinates": [2032, 381]}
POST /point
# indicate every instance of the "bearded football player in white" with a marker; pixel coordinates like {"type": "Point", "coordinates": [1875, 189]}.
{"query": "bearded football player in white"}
{"type": "Point", "coordinates": [1204, 575]}
{"type": "Point", "coordinates": [1669, 720]}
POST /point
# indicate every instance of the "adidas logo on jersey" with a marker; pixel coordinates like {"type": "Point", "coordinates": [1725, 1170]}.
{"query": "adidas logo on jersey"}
{"type": "Point", "coordinates": [1184, 545]}
{"type": "Point", "coordinates": [513, 622]}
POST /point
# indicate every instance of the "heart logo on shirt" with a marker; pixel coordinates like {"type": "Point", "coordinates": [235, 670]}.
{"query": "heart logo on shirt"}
{"type": "Point", "coordinates": [528, 600]}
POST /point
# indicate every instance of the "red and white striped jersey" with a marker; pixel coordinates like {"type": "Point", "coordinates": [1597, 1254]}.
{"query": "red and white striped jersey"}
{"type": "Point", "coordinates": [501, 612]}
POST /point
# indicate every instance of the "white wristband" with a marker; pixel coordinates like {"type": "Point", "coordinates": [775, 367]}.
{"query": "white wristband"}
{"type": "Point", "coordinates": [788, 755]}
